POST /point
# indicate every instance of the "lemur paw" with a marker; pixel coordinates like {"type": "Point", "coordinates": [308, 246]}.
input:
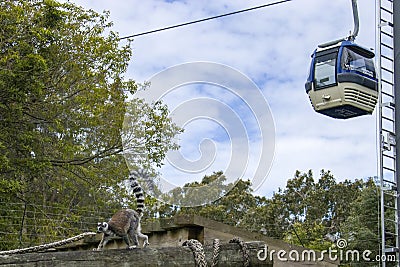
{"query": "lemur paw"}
{"type": "Point", "coordinates": [132, 247]}
{"type": "Point", "coordinates": [145, 244]}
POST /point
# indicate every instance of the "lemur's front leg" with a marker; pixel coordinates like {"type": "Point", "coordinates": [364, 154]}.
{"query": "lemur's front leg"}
{"type": "Point", "coordinates": [146, 239]}
{"type": "Point", "coordinates": [103, 242]}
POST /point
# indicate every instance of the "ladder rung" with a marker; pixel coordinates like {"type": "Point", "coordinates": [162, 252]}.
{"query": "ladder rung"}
{"type": "Point", "coordinates": [387, 118]}
{"type": "Point", "coordinates": [391, 250]}
{"type": "Point", "coordinates": [388, 22]}
{"type": "Point", "coordinates": [388, 131]}
{"type": "Point", "coordinates": [386, 57]}
{"type": "Point", "coordinates": [389, 207]}
{"type": "Point", "coordinates": [386, 69]}
{"type": "Point", "coordinates": [391, 234]}
{"type": "Point", "coordinates": [387, 94]}
{"type": "Point", "coordinates": [387, 10]}
{"type": "Point", "coordinates": [387, 34]}
{"type": "Point", "coordinates": [389, 156]}
{"type": "Point", "coordinates": [386, 190]}
{"type": "Point", "coordinates": [387, 46]}
{"type": "Point", "coordinates": [388, 82]}
{"type": "Point", "coordinates": [389, 191]}
{"type": "Point", "coordinates": [390, 220]}
{"type": "Point", "coordinates": [388, 181]}
{"type": "Point", "coordinates": [389, 169]}
{"type": "Point", "coordinates": [388, 104]}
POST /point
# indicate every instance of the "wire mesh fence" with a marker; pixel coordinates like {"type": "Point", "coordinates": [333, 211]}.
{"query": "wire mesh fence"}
{"type": "Point", "coordinates": [24, 224]}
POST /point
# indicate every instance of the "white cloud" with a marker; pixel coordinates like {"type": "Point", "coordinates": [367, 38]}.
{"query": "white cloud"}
{"type": "Point", "coordinates": [272, 46]}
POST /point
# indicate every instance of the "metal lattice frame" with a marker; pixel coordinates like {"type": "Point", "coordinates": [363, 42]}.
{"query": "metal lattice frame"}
{"type": "Point", "coordinates": [387, 122]}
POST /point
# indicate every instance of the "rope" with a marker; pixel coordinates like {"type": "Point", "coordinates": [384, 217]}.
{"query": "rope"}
{"type": "Point", "coordinates": [47, 246]}
{"type": "Point", "coordinates": [245, 251]}
{"type": "Point", "coordinates": [199, 256]}
{"type": "Point", "coordinates": [216, 251]}
{"type": "Point", "coordinates": [198, 252]}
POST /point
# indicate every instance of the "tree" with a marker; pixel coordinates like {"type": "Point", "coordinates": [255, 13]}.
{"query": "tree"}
{"type": "Point", "coordinates": [314, 209]}
{"type": "Point", "coordinates": [306, 212]}
{"type": "Point", "coordinates": [63, 97]}
{"type": "Point", "coordinates": [310, 236]}
{"type": "Point", "coordinates": [233, 207]}
{"type": "Point", "coordinates": [230, 202]}
{"type": "Point", "coordinates": [361, 229]}
{"type": "Point", "coordinates": [269, 216]}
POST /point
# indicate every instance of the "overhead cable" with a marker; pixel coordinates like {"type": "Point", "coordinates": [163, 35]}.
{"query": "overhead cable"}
{"type": "Point", "coordinates": [204, 19]}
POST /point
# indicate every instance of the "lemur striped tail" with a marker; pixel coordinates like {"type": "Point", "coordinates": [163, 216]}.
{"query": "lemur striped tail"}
{"type": "Point", "coordinates": [138, 191]}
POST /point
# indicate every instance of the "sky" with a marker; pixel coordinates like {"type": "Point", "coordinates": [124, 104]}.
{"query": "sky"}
{"type": "Point", "coordinates": [224, 121]}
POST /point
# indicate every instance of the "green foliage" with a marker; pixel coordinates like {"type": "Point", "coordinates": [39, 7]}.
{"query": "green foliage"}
{"type": "Point", "coordinates": [307, 212]}
{"type": "Point", "coordinates": [361, 228]}
{"type": "Point", "coordinates": [63, 97]}
{"type": "Point", "coordinates": [312, 237]}
{"type": "Point", "coordinates": [229, 209]}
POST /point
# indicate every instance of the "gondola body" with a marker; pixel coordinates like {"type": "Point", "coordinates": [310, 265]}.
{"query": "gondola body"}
{"type": "Point", "coordinates": [342, 82]}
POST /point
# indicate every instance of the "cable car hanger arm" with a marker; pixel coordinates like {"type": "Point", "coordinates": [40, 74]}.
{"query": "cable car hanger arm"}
{"type": "Point", "coordinates": [353, 36]}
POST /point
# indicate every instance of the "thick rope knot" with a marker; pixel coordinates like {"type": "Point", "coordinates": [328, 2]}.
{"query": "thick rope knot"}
{"type": "Point", "coordinates": [245, 251]}
{"type": "Point", "coordinates": [199, 256]}
{"type": "Point", "coordinates": [216, 251]}
{"type": "Point", "coordinates": [198, 252]}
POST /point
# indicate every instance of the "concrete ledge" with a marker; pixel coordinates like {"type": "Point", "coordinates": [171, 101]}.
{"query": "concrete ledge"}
{"type": "Point", "coordinates": [230, 255]}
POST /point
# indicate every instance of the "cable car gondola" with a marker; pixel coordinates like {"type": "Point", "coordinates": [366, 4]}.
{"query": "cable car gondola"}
{"type": "Point", "coordinates": [342, 82]}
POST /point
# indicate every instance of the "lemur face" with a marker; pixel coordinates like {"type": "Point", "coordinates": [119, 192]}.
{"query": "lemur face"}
{"type": "Point", "coordinates": [102, 227]}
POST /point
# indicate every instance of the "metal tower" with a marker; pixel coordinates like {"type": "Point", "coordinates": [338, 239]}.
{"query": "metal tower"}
{"type": "Point", "coordinates": [389, 124]}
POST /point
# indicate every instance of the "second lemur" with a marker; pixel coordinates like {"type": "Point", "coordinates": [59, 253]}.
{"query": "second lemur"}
{"type": "Point", "coordinates": [126, 223]}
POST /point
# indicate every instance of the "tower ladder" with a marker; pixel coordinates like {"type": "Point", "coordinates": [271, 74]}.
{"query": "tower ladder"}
{"type": "Point", "coordinates": [387, 135]}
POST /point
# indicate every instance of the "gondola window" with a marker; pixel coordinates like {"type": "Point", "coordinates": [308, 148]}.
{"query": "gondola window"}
{"type": "Point", "coordinates": [355, 62]}
{"type": "Point", "coordinates": [325, 70]}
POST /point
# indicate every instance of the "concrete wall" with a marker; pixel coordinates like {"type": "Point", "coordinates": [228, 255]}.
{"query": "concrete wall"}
{"type": "Point", "coordinates": [230, 255]}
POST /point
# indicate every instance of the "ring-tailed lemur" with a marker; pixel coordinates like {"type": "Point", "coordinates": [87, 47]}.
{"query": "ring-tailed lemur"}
{"type": "Point", "coordinates": [126, 223]}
